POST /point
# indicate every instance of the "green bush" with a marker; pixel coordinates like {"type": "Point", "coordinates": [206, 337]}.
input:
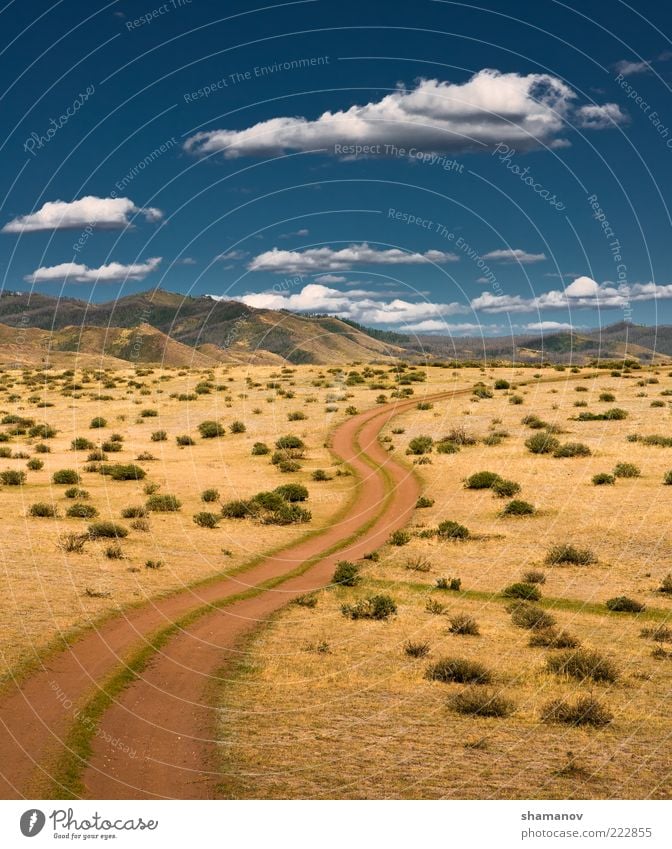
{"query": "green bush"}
{"type": "Point", "coordinates": [260, 448]}
{"type": "Point", "coordinates": [206, 520]}
{"type": "Point", "coordinates": [163, 503]}
{"type": "Point", "coordinates": [542, 443]}
{"type": "Point", "coordinates": [296, 416]}
{"type": "Point", "coordinates": [416, 649]}
{"type": "Point", "coordinates": [502, 384]}
{"type": "Point", "coordinates": [550, 638]}
{"type": "Point", "coordinates": [529, 616]}
{"type": "Point", "coordinates": [603, 479]}
{"type": "Point", "coordinates": [377, 607]}
{"type": "Point", "coordinates": [582, 664]}
{"type": "Point", "coordinates": [586, 710]}
{"type": "Point", "coordinates": [458, 670]}
{"type": "Point", "coordinates": [12, 477]}
{"type": "Point", "coordinates": [81, 443]}
{"type": "Point", "coordinates": [111, 446]}
{"type": "Point", "coordinates": [98, 422]}
{"type": "Point", "coordinates": [534, 576]}
{"type": "Point", "coordinates": [572, 449]}
{"type": "Point", "coordinates": [320, 475]}
{"type": "Point", "coordinates": [623, 604]}
{"type": "Point", "coordinates": [96, 456]}
{"type": "Point", "coordinates": [346, 574]}
{"type": "Point", "coordinates": [184, 440]}
{"type": "Point", "coordinates": [518, 508]}
{"type": "Point", "coordinates": [81, 511]}
{"type": "Point", "coordinates": [76, 492]}
{"type": "Point", "coordinates": [522, 590]}
{"type": "Point", "coordinates": [464, 625]}
{"type": "Point", "coordinates": [503, 488]}
{"type": "Point", "coordinates": [107, 529]}
{"type": "Point", "coordinates": [159, 436]}
{"type": "Point", "coordinates": [446, 447]}
{"type": "Point", "coordinates": [134, 512]}
{"type": "Point", "coordinates": [34, 465]}
{"type": "Point", "coordinates": [289, 441]}
{"type": "Point", "coordinates": [607, 397]}
{"type": "Point", "coordinates": [452, 530]}
{"type": "Point", "coordinates": [43, 510]}
{"type": "Point", "coordinates": [237, 427]}
{"type": "Point", "coordinates": [399, 538]}
{"type": "Point", "coordinates": [477, 701]}
{"type": "Point", "coordinates": [626, 470]}
{"type": "Point", "coordinates": [210, 495]}
{"type": "Point", "coordinates": [149, 414]}
{"type": "Point", "coordinates": [237, 509]}
{"type": "Point", "coordinates": [481, 480]}
{"type": "Point", "coordinates": [211, 429]}
{"type": "Point", "coordinates": [114, 552]}
{"type": "Point", "coordinates": [516, 399]}
{"type": "Point", "coordinates": [420, 445]}
{"type": "Point", "coordinates": [292, 492]}
{"type": "Point", "coordinates": [123, 472]}
{"type": "Point", "coordinates": [424, 501]}
{"type": "Point", "coordinates": [566, 553]}
{"type": "Point", "coordinates": [65, 476]}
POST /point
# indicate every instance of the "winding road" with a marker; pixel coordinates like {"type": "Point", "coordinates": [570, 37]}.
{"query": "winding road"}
{"type": "Point", "coordinates": [157, 736]}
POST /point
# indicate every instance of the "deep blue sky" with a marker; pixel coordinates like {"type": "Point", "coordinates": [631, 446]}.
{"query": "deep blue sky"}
{"type": "Point", "coordinates": [137, 82]}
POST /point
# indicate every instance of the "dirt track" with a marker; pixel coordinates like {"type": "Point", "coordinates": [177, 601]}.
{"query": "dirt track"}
{"type": "Point", "coordinates": [164, 718]}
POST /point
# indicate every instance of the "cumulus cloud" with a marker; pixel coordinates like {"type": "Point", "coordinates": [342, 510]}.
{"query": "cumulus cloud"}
{"type": "Point", "coordinates": [90, 211]}
{"type": "Point", "coordinates": [342, 259]}
{"type": "Point", "coordinates": [523, 111]}
{"type": "Point", "coordinates": [549, 325]}
{"type": "Point", "coordinates": [600, 117]}
{"type": "Point", "coordinates": [360, 305]}
{"type": "Point", "coordinates": [74, 272]}
{"type": "Point", "coordinates": [514, 255]}
{"type": "Point", "coordinates": [330, 278]}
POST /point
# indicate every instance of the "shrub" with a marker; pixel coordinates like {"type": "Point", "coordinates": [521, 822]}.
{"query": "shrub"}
{"type": "Point", "coordinates": [542, 443]}
{"type": "Point", "coordinates": [420, 445]}
{"type": "Point", "coordinates": [454, 584]}
{"type": "Point", "coordinates": [111, 446]}
{"type": "Point", "coordinates": [153, 564]}
{"type": "Point", "coordinates": [502, 384]}
{"type": "Point", "coordinates": [81, 443]}
{"type": "Point", "coordinates": [419, 564]}
{"type": "Point", "coordinates": [114, 552]}
{"type": "Point", "coordinates": [476, 701]}
{"type": "Point", "coordinates": [98, 422]}
{"type": "Point", "coordinates": [399, 538]}
{"type": "Point", "coordinates": [516, 399]}
{"type": "Point", "coordinates": [237, 427]}
{"type": "Point", "coordinates": [534, 576]}
{"type": "Point", "coordinates": [518, 508]}
{"type": "Point", "coordinates": [320, 475]}
{"type": "Point", "coordinates": [289, 441]}
{"type": "Point", "coordinates": [288, 466]}
{"type": "Point", "coordinates": [163, 503]}
{"type": "Point", "coordinates": [296, 416]}
{"type": "Point", "coordinates": [43, 510]}
{"type": "Point", "coordinates": [206, 520]}
{"type": "Point", "coordinates": [464, 625]}
{"type": "Point", "coordinates": [481, 480]}
{"type": "Point", "coordinates": [346, 574]}
{"type": "Point", "coordinates": [41, 448]}
{"type": "Point", "coordinates": [607, 396]}
{"type": "Point", "coordinates": [106, 529]}
{"type": "Point", "coordinates": [550, 638]}
{"type": "Point", "coordinates": [503, 488]}
{"type": "Point", "coordinates": [626, 470]}
{"type": "Point", "coordinates": [81, 511]}
{"type": "Point", "coordinates": [140, 525]}
{"type": "Point", "coordinates": [184, 440]}
{"type": "Point", "coordinates": [666, 584]}
{"type": "Point", "coordinates": [211, 429]}
{"type": "Point", "coordinates": [527, 592]}
{"type": "Point", "coordinates": [237, 509]}
{"type": "Point", "coordinates": [452, 530]}
{"type": "Point", "coordinates": [582, 664]}
{"type": "Point", "coordinates": [134, 513]}
{"type": "Point", "coordinates": [42, 431]}
{"type": "Point", "coordinates": [623, 604]}
{"type": "Point", "coordinates": [159, 436]}
{"type": "Point", "coordinates": [603, 479]}
{"type": "Point", "coordinates": [72, 543]}
{"type": "Point", "coordinates": [123, 472]}
{"type": "Point", "coordinates": [12, 477]}
{"type": "Point", "coordinates": [533, 422]}
{"type": "Point", "coordinates": [566, 553]}
{"type": "Point", "coordinates": [292, 492]}
{"type": "Point", "coordinates": [34, 465]}
{"type": "Point", "coordinates": [76, 492]}
{"type": "Point", "coordinates": [149, 414]}
{"type": "Point", "coordinates": [531, 617]}
{"type": "Point", "coordinates": [572, 449]}
{"type": "Point", "coordinates": [96, 456]}
{"type": "Point", "coordinates": [584, 711]}
{"type": "Point", "coordinates": [446, 447]}
{"type": "Point", "coordinates": [65, 476]}
{"type": "Point", "coordinates": [378, 607]}
{"type": "Point", "coordinates": [210, 495]}
{"type": "Point", "coordinates": [458, 670]}
{"type": "Point", "coordinates": [416, 649]}
{"type": "Point", "coordinates": [260, 448]}
{"type": "Point", "coordinates": [287, 514]}
{"type": "Point", "coordinates": [424, 501]}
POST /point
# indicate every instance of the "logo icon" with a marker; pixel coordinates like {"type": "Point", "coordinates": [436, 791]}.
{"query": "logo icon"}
{"type": "Point", "coordinates": [32, 822]}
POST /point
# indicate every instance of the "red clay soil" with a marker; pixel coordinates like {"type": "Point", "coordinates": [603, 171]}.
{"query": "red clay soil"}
{"type": "Point", "coordinates": [161, 745]}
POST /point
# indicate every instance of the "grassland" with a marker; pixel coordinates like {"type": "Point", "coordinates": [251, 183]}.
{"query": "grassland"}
{"type": "Point", "coordinates": [325, 706]}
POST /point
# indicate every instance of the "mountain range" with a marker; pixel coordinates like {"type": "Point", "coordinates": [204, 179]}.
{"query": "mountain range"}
{"type": "Point", "coordinates": [158, 326]}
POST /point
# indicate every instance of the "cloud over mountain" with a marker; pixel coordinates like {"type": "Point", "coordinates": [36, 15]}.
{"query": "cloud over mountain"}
{"type": "Point", "coordinates": [341, 259]}
{"type": "Point", "coordinates": [75, 272]}
{"type": "Point", "coordinates": [102, 213]}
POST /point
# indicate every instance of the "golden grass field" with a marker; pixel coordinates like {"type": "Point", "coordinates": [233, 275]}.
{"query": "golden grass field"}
{"type": "Point", "coordinates": [325, 707]}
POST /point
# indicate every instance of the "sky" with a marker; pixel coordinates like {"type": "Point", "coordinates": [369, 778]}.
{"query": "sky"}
{"type": "Point", "coordinates": [426, 167]}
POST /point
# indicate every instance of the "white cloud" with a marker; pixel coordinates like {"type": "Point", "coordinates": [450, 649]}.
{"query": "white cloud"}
{"type": "Point", "coordinates": [187, 260]}
{"type": "Point", "coordinates": [73, 272]}
{"type": "Point", "coordinates": [582, 287]}
{"type": "Point", "coordinates": [342, 259]}
{"type": "Point", "coordinates": [103, 213]}
{"type": "Point", "coordinates": [300, 233]}
{"type": "Point", "coordinates": [358, 304]}
{"type": "Point", "coordinates": [231, 256]}
{"type": "Point", "coordinates": [432, 325]}
{"type": "Point", "coordinates": [627, 68]}
{"type": "Point", "coordinates": [330, 278]}
{"type": "Point", "coordinates": [549, 325]}
{"type": "Point", "coordinates": [600, 117]}
{"type": "Point", "coordinates": [523, 111]}
{"type": "Point", "coordinates": [514, 255]}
